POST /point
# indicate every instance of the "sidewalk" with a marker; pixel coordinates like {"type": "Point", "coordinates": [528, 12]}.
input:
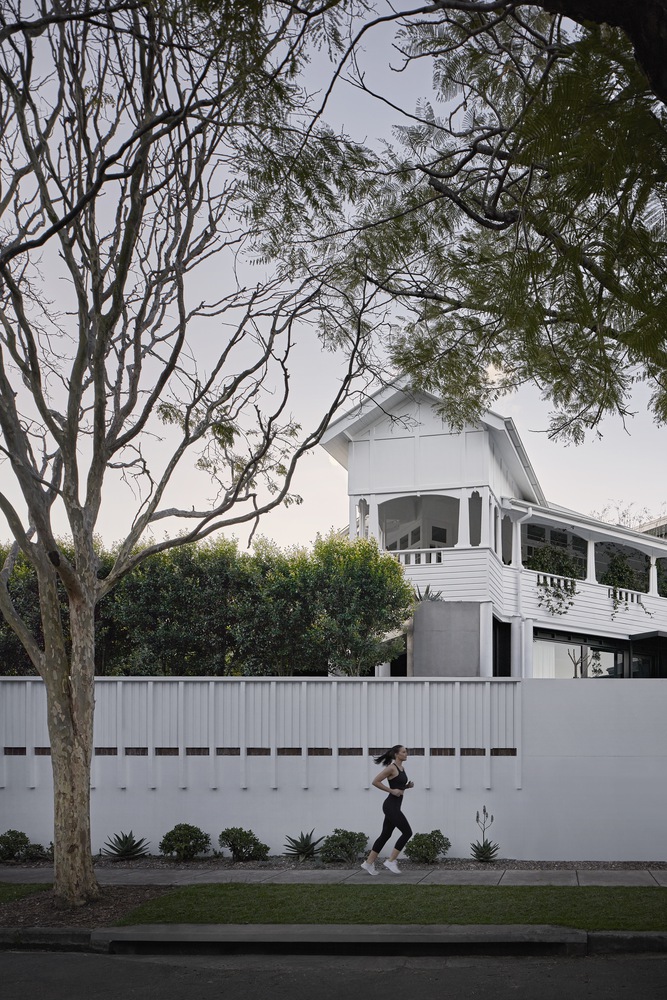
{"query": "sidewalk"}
{"type": "Point", "coordinates": [376, 939]}
{"type": "Point", "coordinates": [354, 876]}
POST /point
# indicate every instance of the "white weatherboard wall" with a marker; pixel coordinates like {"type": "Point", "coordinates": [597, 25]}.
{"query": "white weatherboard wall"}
{"type": "Point", "coordinates": [572, 770]}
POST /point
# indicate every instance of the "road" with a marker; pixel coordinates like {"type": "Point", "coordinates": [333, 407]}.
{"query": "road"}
{"type": "Point", "coordinates": [53, 976]}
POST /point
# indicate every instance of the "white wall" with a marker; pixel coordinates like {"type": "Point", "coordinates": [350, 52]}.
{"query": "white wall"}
{"type": "Point", "coordinates": [587, 780]}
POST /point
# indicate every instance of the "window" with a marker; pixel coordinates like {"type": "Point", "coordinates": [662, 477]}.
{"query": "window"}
{"type": "Point", "coordinates": [439, 535]}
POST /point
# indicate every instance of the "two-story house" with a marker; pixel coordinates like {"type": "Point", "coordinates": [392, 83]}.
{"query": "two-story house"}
{"type": "Point", "coordinates": [464, 513]}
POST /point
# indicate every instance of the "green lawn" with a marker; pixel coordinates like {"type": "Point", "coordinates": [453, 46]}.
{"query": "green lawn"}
{"type": "Point", "coordinates": [588, 908]}
{"type": "Point", "coordinates": [9, 892]}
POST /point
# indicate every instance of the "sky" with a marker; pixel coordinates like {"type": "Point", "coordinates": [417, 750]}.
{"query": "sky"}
{"type": "Point", "coordinates": [625, 466]}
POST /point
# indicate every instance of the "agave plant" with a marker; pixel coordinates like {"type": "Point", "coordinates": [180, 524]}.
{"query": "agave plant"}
{"type": "Point", "coordinates": [303, 847]}
{"type": "Point", "coordinates": [126, 847]}
{"type": "Point", "coordinates": [484, 850]}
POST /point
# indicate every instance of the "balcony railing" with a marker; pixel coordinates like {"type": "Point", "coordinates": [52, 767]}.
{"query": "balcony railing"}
{"type": "Point", "coordinates": [419, 557]}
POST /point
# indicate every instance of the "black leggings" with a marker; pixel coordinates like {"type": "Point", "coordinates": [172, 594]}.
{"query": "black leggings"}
{"type": "Point", "coordinates": [393, 817]}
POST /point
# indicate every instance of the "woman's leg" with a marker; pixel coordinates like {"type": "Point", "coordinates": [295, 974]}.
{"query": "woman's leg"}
{"type": "Point", "coordinates": [391, 821]}
{"type": "Point", "coordinates": [406, 833]}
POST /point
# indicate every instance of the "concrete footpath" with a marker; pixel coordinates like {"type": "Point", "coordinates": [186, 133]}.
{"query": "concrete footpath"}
{"type": "Point", "coordinates": [359, 939]}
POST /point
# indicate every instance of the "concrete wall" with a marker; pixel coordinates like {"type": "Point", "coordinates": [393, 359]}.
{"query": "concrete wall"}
{"type": "Point", "coordinates": [446, 639]}
{"type": "Point", "coordinates": [572, 770]}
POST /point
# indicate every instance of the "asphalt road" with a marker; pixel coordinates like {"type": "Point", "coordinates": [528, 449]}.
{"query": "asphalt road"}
{"type": "Point", "coordinates": [52, 976]}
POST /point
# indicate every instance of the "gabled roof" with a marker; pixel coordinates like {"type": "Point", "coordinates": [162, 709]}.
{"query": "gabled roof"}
{"type": "Point", "coordinates": [372, 409]}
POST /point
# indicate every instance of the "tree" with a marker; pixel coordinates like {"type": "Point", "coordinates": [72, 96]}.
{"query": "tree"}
{"type": "Point", "coordinates": [360, 598]}
{"type": "Point", "coordinates": [644, 23]}
{"type": "Point", "coordinates": [273, 614]}
{"type": "Point", "coordinates": [326, 610]}
{"type": "Point", "coordinates": [520, 223]}
{"type": "Point", "coordinates": [174, 613]}
{"type": "Point", "coordinates": [143, 145]}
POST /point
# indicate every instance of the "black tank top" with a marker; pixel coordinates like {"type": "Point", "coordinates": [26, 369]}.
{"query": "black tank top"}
{"type": "Point", "coordinates": [400, 781]}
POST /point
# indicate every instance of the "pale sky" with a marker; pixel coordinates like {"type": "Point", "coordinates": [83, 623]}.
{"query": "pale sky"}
{"type": "Point", "coordinates": [626, 465]}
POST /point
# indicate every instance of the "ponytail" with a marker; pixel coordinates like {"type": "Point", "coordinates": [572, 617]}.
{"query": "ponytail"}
{"type": "Point", "coordinates": [388, 756]}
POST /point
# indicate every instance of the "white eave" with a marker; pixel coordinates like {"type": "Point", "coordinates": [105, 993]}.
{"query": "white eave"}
{"type": "Point", "coordinates": [353, 422]}
{"type": "Point", "coordinates": [502, 430]}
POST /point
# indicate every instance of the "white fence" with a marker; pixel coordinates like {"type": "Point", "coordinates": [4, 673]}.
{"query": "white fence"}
{"type": "Point", "coordinates": [571, 769]}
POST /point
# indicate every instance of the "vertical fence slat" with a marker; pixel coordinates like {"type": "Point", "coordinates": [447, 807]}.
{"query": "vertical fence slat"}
{"type": "Point", "coordinates": [486, 714]}
{"type": "Point", "coordinates": [120, 737]}
{"type": "Point", "coordinates": [426, 733]}
{"type": "Point", "coordinates": [518, 736]}
{"type": "Point", "coordinates": [303, 731]}
{"type": "Point", "coordinates": [243, 741]}
{"type": "Point", "coordinates": [213, 757]}
{"type": "Point", "coordinates": [180, 731]}
{"type": "Point", "coordinates": [458, 708]}
{"type": "Point", "coordinates": [364, 731]}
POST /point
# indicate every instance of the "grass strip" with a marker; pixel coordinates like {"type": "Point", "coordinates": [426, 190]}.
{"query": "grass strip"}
{"type": "Point", "coordinates": [10, 892]}
{"type": "Point", "coordinates": [584, 907]}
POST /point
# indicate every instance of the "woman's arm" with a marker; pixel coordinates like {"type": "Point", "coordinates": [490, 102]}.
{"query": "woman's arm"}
{"type": "Point", "coordinates": [390, 771]}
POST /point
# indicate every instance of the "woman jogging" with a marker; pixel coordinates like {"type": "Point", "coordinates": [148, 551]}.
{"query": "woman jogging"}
{"type": "Point", "coordinates": [394, 774]}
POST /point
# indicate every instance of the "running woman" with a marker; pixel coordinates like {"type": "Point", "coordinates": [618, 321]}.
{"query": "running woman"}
{"type": "Point", "coordinates": [394, 774]}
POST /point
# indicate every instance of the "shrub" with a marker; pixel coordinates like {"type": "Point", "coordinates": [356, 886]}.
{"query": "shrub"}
{"type": "Point", "coordinates": [13, 844]}
{"type": "Point", "coordinates": [35, 852]}
{"type": "Point", "coordinates": [343, 845]}
{"type": "Point", "coordinates": [426, 848]}
{"type": "Point", "coordinates": [243, 844]}
{"type": "Point", "coordinates": [125, 847]}
{"type": "Point", "coordinates": [185, 841]}
{"type": "Point", "coordinates": [303, 847]}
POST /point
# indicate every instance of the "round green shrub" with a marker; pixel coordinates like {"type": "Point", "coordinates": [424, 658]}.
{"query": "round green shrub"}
{"type": "Point", "coordinates": [343, 845]}
{"type": "Point", "coordinates": [185, 842]}
{"type": "Point", "coordinates": [243, 844]}
{"type": "Point", "coordinates": [426, 848]}
{"type": "Point", "coordinates": [13, 845]}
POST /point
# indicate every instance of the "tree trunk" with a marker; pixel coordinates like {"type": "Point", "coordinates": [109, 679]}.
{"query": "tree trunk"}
{"type": "Point", "coordinates": [70, 706]}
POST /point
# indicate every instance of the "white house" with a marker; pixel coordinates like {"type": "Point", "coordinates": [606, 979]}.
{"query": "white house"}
{"type": "Point", "coordinates": [464, 513]}
{"type": "Point", "coordinates": [571, 768]}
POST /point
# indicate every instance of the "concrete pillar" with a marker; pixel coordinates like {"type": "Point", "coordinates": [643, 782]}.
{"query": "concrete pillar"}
{"type": "Point", "coordinates": [653, 578]}
{"type": "Point", "coordinates": [516, 651]}
{"type": "Point", "coordinates": [353, 517]}
{"type": "Point", "coordinates": [373, 519]}
{"type": "Point", "coordinates": [590, 562]}
{"type": "Point", "coordinates": [528, 647]}
{"type": "Point", "coordinates": [363, 518]}
{"type": "Point", "coordinates": [486, 639]}
{"type": "Point", "coordinates": [497, 533]}
{"type": "Point", "coordinates": [485, 540]}
{"type": "Point", "coordinates": [516, 544]}
{"type": "Point", "coordinates": [464, 522]}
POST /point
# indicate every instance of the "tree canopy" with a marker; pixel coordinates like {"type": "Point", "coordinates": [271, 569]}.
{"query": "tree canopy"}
{"type": "Point", "coordinates": [518, 220]}
{"type": "Point", "coordinates": [144, 149]}
{"type": "Point", "coordinates": [210, 609]}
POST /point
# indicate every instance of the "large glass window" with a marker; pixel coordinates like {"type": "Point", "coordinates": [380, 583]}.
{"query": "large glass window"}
{"type": "Point", "coordinates": [568, 660]}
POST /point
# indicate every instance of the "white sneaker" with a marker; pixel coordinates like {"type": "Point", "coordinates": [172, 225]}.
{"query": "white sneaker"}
{"type": "Point", "coordinates": [393, 867]}
{"type": "Point", "coordinates": [371, 869]}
